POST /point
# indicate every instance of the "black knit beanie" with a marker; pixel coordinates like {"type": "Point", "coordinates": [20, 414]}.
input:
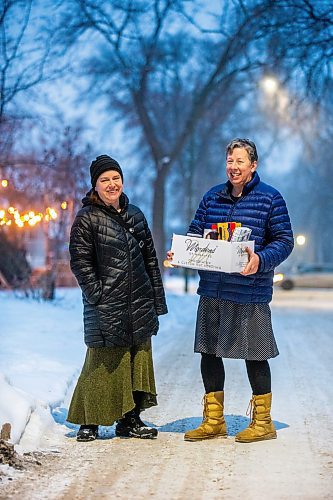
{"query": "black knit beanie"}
{"type": "Point", "coordinates": [102, 164]}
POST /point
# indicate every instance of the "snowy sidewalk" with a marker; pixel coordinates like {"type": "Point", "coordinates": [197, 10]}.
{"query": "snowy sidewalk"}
{"type": "Point", "coordinates": [42, 352]}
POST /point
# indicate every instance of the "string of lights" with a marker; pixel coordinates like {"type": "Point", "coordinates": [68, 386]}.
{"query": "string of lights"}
{"type": "Point", "coordinates": [12, 216]}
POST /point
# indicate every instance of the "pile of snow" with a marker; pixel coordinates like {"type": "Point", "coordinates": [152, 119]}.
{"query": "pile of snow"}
{"type": "Point", "coordinates": [17, 408]}
{"type": "Point", "coordinates": [28, 417]}
{"type": "Point", "coordinates": [41, 354]}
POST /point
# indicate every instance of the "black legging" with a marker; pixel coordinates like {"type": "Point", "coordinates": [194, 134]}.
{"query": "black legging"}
{"type": "Point", "coordinates": [213, 375]}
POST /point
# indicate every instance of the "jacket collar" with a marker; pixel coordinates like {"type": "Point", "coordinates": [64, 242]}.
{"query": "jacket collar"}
{"type": "Point", "coordinates": [123, 201]}
{"type": "Point", "coordinates": [227, 188]}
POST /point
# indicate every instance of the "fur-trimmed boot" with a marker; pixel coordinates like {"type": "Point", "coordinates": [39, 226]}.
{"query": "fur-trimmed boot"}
{"type": "Point", "coordinates": [213, 424]}
{"type": "Point", "coordinates": [261, 426]}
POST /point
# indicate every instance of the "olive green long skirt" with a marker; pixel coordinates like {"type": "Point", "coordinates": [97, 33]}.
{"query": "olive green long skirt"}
{"type": "Point", "coordinates": [104, 391]}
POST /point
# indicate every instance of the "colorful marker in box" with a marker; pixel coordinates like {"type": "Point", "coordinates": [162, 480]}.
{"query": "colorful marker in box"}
{"type": "Point", "coordinates": [226, 229]}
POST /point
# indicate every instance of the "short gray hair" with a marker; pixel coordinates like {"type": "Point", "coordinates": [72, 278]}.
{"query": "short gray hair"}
{"type": "Point", "coordinates": [245, 144]}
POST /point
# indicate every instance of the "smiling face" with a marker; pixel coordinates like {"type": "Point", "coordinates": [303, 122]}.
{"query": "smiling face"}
{"type": "Point", "coordinates": [109, 187]}
{"type": "Point", "coordinates": [239, 169]}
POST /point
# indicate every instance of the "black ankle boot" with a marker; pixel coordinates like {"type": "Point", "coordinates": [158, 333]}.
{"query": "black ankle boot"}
{"type": "Point", "coordinates": [87, 433]}
{"type": "Point", "coordinates": [131, 425]}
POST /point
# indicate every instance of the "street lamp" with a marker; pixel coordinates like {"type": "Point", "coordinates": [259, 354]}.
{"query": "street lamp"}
{"type": "Point", "coordinates": [301, 250]}
{"type": "Point", "coordinates": [276, 96]}
{"type": "Point", "coordinates": [300, 240]}
{"type": "Point", "coordinates": [270, 85]}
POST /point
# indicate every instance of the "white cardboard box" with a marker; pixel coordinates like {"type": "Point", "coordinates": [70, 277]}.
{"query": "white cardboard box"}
{"type": "Point", "coordinates": [210, 255]}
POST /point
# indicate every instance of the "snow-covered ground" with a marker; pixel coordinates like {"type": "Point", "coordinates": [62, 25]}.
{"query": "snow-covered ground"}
{"type": "Point", "coordinates": [42, 351]}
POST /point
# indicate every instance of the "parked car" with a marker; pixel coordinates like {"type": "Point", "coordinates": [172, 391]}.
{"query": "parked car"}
{"type": "Point", "coordinates": [306, 276]}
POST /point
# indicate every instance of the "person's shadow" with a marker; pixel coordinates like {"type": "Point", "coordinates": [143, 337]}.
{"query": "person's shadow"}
{"type": "Point", "coordinates": [235, 424]}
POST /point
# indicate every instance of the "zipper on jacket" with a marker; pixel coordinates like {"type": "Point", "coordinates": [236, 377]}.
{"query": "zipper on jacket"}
{"type": "Point", "coordinates": [233, 206]}
{"type": "Point", "coordinates": [130, 285]}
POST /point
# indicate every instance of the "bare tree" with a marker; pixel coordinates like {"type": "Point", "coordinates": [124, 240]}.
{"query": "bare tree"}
{"type": "Point", "coordinates": [24, 50]}
{"type": "Point", "coordinates": [65, 181]}
{"type": "Point", "coordinates": [26, 55]}
{"type": "Point", "coordinates": [300, 43]}
{"type": "Point", "coordinates": [51, 178]}
{"type": "Point", "coordinates": [145, 55]}
{"type": "Point", "coordinates": [160, 70]}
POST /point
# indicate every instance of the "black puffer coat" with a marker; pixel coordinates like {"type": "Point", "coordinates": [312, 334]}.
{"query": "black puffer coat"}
{"type": "Point", "coordinates": [121, 283]}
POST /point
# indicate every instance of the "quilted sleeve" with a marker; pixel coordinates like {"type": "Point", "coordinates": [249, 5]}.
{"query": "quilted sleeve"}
{"type": "Point", "coordinates": [197, 224]}
{"type": "Point", "coordinates": [280, 236]}
{"type": "Point", "coordinates": [83, 258]}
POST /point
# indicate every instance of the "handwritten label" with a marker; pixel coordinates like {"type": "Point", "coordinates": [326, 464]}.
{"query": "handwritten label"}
{"type": "Point", "coordinates": [199, 255]}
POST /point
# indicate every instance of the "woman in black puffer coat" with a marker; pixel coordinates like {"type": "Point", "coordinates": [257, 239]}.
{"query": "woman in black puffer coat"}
{"type": "Point", "coordinates": [115, 264]}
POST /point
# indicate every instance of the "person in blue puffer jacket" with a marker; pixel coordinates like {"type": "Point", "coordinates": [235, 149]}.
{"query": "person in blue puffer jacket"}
{"type": "Point", "coordinates": [234, 317]}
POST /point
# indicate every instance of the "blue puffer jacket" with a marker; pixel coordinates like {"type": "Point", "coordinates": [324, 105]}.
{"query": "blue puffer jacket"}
{"type": "Point", "coordinates": [262, 209]}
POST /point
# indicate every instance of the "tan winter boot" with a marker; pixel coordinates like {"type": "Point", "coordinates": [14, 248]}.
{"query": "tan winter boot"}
{"type": "Point", "coordinates": [213, 424]}
{"type": "Point", "coordinates": [261, 426]}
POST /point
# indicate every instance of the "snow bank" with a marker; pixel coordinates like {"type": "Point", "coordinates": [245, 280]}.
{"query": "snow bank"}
{"type": "Point", "coordinates": [29, 418]}
{"type": "Point", "coordinates": [16, 407]}
{"type": "Point", "coordinates": [41, 353]}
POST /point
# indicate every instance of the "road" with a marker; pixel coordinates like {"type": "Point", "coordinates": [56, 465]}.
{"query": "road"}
{"type": "Point", "coordinates": [297, 465]}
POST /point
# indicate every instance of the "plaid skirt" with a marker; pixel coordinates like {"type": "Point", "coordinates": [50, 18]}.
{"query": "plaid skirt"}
{"type": "Point", "coordinates": [230, 330]}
